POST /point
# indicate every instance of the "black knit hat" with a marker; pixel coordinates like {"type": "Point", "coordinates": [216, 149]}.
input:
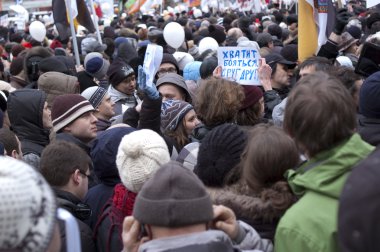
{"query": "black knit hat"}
{"type": "Point", "coordinates": [173, 197]}
{"type": "Point", "coordinates": [219, 153]}
{"type": "Point", "coordinates": [120, 74]}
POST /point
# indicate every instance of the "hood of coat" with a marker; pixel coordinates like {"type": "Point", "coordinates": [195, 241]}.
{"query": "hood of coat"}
{"type": "Point", "coordinates": [245, 204]}
{"type": "Point", "coordinates": [25, 111]}
{"type": "Point", "coordinates": [55, 83]}
{"type": "Point", "coordinates": [327, 172]}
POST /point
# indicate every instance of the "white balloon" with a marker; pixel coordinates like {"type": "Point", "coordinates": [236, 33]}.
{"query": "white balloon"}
{"type": "Point", "coordinates": [174, 34]}
{"type": "Point", "coordinates": [207, 43]}
{"type": "Point", "coordinates": [37, 30]}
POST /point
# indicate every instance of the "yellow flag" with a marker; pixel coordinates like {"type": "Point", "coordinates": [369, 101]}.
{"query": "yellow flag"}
{"type": "Point", "coordinates": [307, 31]}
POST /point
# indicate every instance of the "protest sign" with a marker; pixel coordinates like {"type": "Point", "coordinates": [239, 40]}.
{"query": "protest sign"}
{"type": "Point", "coordinates": [152, 61]}
{"type": "Point", "coordinates": [371, 3]}
{"type": "Point", "coordinates": [240, 64]}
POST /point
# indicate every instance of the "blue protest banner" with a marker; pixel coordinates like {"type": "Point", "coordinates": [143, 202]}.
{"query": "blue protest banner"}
{"type": "Point", "coordinates": [240, 64]}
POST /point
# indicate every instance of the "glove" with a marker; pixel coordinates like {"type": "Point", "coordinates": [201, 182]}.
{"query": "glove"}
{"type": "Point", "coordinates": [150, 91]}
{"type": "Point", "coordinates": [341, 20]}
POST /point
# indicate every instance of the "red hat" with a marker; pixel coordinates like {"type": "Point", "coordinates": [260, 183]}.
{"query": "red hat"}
{"type": "Point", "coordinates": [252, 95]}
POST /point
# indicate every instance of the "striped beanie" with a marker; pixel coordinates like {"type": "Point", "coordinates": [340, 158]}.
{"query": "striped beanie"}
{"type": "Point", "coordinates": [67, 108]}
{"type": "Point", "coordinates": [172, 113]}
{"type": "Point", "coordinates": [94, 95]}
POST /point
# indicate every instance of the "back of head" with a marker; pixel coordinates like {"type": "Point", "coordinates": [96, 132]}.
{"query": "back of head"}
{"type": "Point", "coordinates": [104, 152]}
{"type": "Point", "coordinates": [218, 101]}
{"type": "Point", "coordinates": [264, 165]}
{"type": "Point", "coordinates": [9, 140]}
{"type": "Point", "coordinates": [219, 155]}
{"type": "Point", "coordinates": [320, 113]}
{"type": "Point", "coordinates": [369, 105]}
{"type": "Point", "coordinates": [319, 63]}
{"type": "Point", "coordinates": [27, 208]}
{"type": "Point", "coordinates": [208, 66]}
{"type": "Point", "coordinates": [60, 159]}
{"type": "Point", "coordinates": [140, 155]}
{"type": "Point", "coordinates": [173, 197]}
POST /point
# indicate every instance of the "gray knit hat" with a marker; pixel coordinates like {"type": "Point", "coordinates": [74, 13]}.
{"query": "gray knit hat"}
{"type": "Point", "coordinates": [176, 80]}
{"type": "Point", "coordinates": [95, 65]}
{"type": "Point", "coordinates": [27, 209]}
{"type": "Point", "coordinates": [173, 197]}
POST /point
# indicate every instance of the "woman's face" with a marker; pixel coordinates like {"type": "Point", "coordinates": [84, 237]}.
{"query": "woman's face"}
{"type": "Point", "coordinates": [190, 121]}
{"type": "Point", "coordinates": [127, 86]}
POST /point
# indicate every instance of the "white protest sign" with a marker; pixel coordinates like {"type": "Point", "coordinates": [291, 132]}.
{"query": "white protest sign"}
{"type": "Point", "coordinates": [240, 64]}
{"type": "Point", "coordinates": [152, 61]}
{"type": "Point", "coordinates": [371, 3]}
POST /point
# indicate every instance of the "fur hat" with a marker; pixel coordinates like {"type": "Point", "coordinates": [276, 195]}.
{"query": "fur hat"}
{"type": "Point", "coordinates": [31, 61]}
{"type": "Point", "coordinates": [219, 153]}
{"type": "Point", "coordinates": [94, 95]}
{"type": "Point", "coordinates": [252, 95]}
{"type": "Point", "coordinates": [54, 84]}
{"type": "Point", "coordinates": [67, 108]}
{"type": "Point", "coordinates": [17, 65]}
{"type": "Point", "coordinates": [172, 113]}
{"type": "Point", "coordinates": [27, 209]}
{"type": "Point", "coordinates": [173, 197]}
{"type": "Point", "coordinates": [176, 80]}
{"type": "Point", "coordinates": [140, 154]}
{"type": "Point", "coordinates": [95, 65]}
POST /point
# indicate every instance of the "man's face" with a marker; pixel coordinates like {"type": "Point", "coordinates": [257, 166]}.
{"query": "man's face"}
{"type": "Point", "coordinates": [306, 71]}
{"type": "Point", "coordinates": [84, 127]}
{"type": "Point", "coordinates": [127, 86]}
{"type": "Point", "coordinates": [166, 68]}
{"type": "Point", "coordinates": [282, 76]}
{"type": "Point", "coordinates": [170, 92]}
{"type": "Point", "coordinates": [106, 108]}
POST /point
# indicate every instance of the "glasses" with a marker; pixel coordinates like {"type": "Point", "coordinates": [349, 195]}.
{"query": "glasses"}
{"type": "Point", "coordinates": [163, 71]}
{"type": "Point", "coordinates": [84, 174]}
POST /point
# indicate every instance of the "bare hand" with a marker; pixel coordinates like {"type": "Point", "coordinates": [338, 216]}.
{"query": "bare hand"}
{"type": "Point", "coordinates": [130, 236]}
{"type": "Point", "coordinates": [79, 68]}
{"type": "Point", "coordinates": [265, 73]}
{"type": "Point", "coordinates": [225, 220]}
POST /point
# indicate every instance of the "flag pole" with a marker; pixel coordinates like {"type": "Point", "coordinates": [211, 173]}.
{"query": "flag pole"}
{"type": "Point", "coordinates": [95, 20]}
{"type": "Point", "coordinates": [73, 34]}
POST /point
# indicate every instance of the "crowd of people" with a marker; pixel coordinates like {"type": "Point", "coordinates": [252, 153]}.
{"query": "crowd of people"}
{"type": "Point", "coordinates": [194, 162]}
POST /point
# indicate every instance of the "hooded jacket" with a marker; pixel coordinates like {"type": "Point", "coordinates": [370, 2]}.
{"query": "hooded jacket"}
{"type": "Point", "coordinates": [55, 84]}
{"type": "Point", "coordinates": [211, 240]}
{"type": "Point", "coordinates": [103, 155]}
{"type": "Point", "coordinates": [311, 223]}
{"type": "Point", "coordinates": [25, 111]}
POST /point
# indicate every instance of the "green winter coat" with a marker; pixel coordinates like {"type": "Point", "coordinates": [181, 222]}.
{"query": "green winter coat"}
{"type": "Point", "coordinates": [310, 225]}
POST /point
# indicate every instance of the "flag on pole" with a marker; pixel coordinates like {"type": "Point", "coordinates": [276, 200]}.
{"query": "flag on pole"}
{"type": "Point", "coordinates": [315, 22]}
{"type": "Point", "coordinates": [79, 11]}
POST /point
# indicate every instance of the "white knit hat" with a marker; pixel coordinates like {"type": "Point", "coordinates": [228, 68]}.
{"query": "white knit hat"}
{"type": "Point", "coordinates": [27, 209]}
{"type": "Point", "coordinates": [140, 154]}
